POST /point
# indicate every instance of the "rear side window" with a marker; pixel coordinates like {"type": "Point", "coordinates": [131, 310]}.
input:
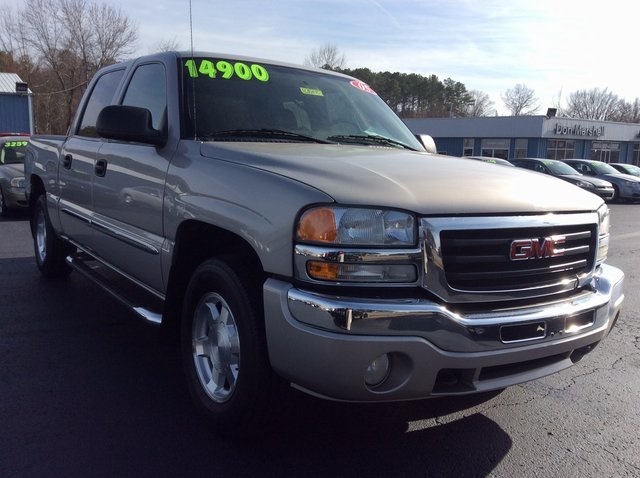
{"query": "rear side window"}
{"type": "Point", "coordinates": [101, 96]}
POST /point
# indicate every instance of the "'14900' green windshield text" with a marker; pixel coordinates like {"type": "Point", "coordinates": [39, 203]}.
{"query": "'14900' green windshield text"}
{"type": "Point", "coordinates": [226, 70]}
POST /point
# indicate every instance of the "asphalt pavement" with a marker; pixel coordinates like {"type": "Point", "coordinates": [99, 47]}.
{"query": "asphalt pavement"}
{"type": "Point", "coordinates": [87, 390]}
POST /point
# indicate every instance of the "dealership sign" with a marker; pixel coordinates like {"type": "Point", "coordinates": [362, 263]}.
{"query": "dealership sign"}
{"type": "Point", "coordinates": [579, 130]}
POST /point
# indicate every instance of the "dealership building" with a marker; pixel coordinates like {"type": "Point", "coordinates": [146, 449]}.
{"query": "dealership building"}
{"type": "Point", "coordinates": [550, 137]}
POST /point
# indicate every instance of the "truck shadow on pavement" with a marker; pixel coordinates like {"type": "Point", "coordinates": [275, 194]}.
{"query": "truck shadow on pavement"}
{"type": "Point", "coordinates": [88, 390]}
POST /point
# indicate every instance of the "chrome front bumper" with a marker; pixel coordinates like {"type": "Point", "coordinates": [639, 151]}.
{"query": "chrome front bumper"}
{"type": "Point", "coordinates": [323, 344]}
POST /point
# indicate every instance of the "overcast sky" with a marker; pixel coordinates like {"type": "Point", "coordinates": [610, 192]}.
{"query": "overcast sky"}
{"type": "Point", "coordinates": [554, 47]}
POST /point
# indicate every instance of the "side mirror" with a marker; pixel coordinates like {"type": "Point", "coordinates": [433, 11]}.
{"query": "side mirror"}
{"type": "Point", "coordinates": [428, 143]}
{"type": "Point", "coordinates": [129, 123]}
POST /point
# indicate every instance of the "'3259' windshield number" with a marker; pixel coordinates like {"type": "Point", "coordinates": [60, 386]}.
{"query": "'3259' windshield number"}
{"type": "Point", "coordinates": [226, 70]}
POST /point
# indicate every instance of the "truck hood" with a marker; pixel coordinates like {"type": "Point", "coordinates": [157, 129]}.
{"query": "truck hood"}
{"type": "Point", "coordinates": [424, 183]}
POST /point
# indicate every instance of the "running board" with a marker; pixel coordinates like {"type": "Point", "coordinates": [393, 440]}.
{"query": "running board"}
{"type": "Point", "coordinates": [143, 304]}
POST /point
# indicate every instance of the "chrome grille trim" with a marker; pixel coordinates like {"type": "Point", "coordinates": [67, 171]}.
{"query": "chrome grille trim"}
{"type": "Point", "coordinates": [461, 266]}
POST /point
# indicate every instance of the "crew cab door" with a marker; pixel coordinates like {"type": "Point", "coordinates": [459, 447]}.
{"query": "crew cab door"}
{"type": "Point", "coordinates": [128, 187]}
{"type": "Point", "coordinates": [77, 162]}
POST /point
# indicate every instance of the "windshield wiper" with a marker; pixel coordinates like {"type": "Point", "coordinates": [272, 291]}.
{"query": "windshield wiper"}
{"type": "Point", "coordinates": [368, 139]}
{"type": "Point", "coordinates": [264, 133]}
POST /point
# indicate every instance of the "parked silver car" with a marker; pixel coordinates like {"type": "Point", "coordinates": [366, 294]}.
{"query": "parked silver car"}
{"type": "Point", "coordinates": [626, 168]}
{"type": "Point", "coordinates": [12, 153]}
{"type": "Point", "coordinates": [561, 170]}
{"type": "Point", "coordinates": [626, 186]}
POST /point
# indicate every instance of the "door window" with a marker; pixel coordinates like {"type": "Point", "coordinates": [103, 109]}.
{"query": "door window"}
{"type": "Point", "coordinates": [101, 96]}
{"type": "Point", "coordinates": [148, 89]}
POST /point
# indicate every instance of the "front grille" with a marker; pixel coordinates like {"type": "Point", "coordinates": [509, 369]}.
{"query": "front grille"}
{"type": "Point", "coordinates": [480, 260]}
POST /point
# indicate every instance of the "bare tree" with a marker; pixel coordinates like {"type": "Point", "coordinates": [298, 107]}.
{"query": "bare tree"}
{"type": "Point", "coordinates": [480, 105]}
{"type": "Point", "coordinates": [66, 42]}
{"type": "Point", "coordinates": [594, 104]}
{"type": "Point", "coordinates": [630, 112]}
{"type": "Point", "coordinates": [167, 45]}
{"type": "Point", "coordinates": [520, 100]}
{"type": "Point", "coordinates": [327, 56]}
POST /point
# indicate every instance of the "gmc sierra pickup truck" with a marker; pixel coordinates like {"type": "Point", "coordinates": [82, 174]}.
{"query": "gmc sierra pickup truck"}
{"type": "Point", "coordinates": [295, 232]}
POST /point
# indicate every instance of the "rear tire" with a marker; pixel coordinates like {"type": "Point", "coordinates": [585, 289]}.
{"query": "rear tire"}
{"type": "Point", "coordinates": [50, 250]}
{"type": "Point", "coordinates": [223, 347]}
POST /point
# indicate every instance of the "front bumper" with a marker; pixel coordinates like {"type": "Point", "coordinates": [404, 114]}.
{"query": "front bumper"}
{"type": "Point", "coordinates": [630, 191]}
{"type": "Point", "coordinates": [324, 344]}
{"type": "Point", "coordinates": [606, 193]}
{"type": "Point", "coordinates": [15, 198]}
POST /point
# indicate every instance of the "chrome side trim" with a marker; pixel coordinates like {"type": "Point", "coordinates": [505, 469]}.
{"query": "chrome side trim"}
{"type": "Point", "coordinates": [129, 238]}
{"type": "Point", "coordinates": [70, 212]}
{"type": "Point", "coordinates": [125, 236]}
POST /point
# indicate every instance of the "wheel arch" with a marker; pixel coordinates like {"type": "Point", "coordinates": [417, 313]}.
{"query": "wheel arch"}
{"type": "Point", "coordinates": [197, 241]}
{"type": "Point", "coordinates": [36, 189]}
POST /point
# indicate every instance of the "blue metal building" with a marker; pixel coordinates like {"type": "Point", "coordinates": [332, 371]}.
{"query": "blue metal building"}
{"type": "Point", "coordinates": [16, 106]}
{"type": "Point", "coordinates": [550, 137]}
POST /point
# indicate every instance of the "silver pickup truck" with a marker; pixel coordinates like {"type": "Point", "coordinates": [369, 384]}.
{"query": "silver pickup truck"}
{"type": "Point", "coordinates": [294, 231]}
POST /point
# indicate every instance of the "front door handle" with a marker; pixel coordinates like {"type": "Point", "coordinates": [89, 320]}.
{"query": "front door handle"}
{"type": "Point", "coordinates": [101, 167]}
{"type": "Point", "coordinates": [66, 161]}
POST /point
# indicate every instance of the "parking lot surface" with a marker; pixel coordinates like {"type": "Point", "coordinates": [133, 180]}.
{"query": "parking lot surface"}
{"type": "Point", "coordinates": [88, 390]}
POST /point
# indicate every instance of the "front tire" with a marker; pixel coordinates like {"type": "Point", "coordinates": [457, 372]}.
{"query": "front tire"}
{"type": "Point", "coordinates": [50, 250]}
{"type": "Point", "coordinates": [616, 194]}
{"type": "Point", "coordinates": [224, 350]}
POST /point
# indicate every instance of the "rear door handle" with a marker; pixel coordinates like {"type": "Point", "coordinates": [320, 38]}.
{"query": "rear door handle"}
{"type": "Point", "coordinates": [101, 167]}
{"type": "Point", "coordinates": [66, 161]}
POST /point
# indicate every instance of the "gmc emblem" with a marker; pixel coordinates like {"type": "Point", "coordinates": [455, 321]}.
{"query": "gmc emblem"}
{"type": "Point", "coordinates": [523, 249]}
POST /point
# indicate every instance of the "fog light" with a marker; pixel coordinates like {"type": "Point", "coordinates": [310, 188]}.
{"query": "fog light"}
{"type": "Point", "coordinates": [377, 371]}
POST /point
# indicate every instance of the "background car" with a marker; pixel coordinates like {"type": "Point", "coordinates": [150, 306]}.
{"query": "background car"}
{"type": "Point", "coordinates": [626, 187]}
{"type": "Point", "coordinates": [12, 152]}
{"type": "Point", "coordinates": [561, 170]}
{"type": "Point", "coordinates": [489, 159]}
{"type": "Point", "coordinates": [627, 168]}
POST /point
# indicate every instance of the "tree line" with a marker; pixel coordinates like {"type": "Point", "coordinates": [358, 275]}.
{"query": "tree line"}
{"type": "Point", "coordinates": [413, 95]}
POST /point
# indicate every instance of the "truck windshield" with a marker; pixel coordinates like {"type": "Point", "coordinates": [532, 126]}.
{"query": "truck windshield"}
{"type": "Point", "coordinates": [228, 100]}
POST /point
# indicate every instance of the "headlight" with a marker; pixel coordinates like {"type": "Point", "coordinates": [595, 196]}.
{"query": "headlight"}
{"type": "Point", "coordinates": [17, 183]}
{"type": "Point", "coordinates": [356, 227]}
{"type": "Point", "coordinates": [585, 185]}
{"type": "Point", "coordinates": [604, 227]}
{"type": "Point", "coordinates": [357, 245]}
